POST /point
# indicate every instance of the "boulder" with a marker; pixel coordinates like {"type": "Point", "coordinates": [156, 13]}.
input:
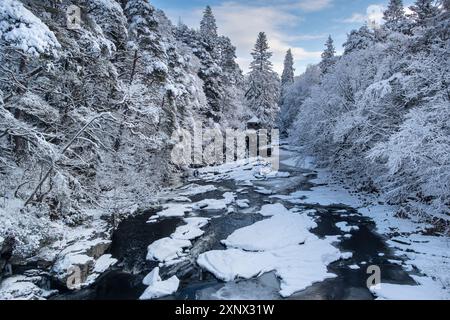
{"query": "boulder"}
{"type": "Point", "coordinates": [76, 264]}
{"type": "Point", "coordinates": [6, 250]}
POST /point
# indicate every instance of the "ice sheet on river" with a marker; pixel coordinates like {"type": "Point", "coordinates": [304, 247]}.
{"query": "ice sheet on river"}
{"type": "Point", "coordinates": [268, 210]}
{"type": "Point", "coordinates": [297, 266]}
{"type": "Point", "coordinates": [277, 232]}
{"type": "Point", "coordinates": [171, 248]}
{"type": "Point", "coordinates": [427, 289]}
{"type": "Point", "coordinates": [158, 288]}
{"type": "Point", "coordinates": [282, 244]}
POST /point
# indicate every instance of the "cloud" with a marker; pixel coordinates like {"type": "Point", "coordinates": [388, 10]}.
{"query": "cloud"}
{"type": "Point", "coordinates": [373, 15]}
{"type": "Point", "coordinates": [242, 23]}
{"type": "Point", "coordinates": [313, 5]}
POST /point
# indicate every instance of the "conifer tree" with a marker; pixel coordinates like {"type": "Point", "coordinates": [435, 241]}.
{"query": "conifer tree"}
{"type": "Point", "coordinates": [208, 27]}
{"type": "Point", "coordinates": [394, 15]}
{"type": "Point", "coordinates": [424, 10]}
{"type": "Point", "coordinates": [263, 84]}
{"type": "Point", "coordinates": [328, 58]}
{"type": "Point", "coordinates": [287, 77]}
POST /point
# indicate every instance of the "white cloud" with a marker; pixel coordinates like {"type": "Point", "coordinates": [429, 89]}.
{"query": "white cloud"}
{"type": "Point", "coordinates": [313, 5]}
{"type": "Point", "coordinates": [355, 18]}
{"type": "Point", "coordinates": [373, 15]}
{"type": "Point", "coordinates": [242, 23]}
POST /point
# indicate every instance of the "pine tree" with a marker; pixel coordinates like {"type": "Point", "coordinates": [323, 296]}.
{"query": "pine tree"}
{"type": "Point", "coordinates": [328, 58]}
{"type": "Point", "coordinates": [394, 15]}
{"type": "Point", "coordinates": [424, 10]}
{"type": "Point", "coordinates": [261, 55]}
{"type": "Point", "coordinates": [263, 84]}
{"type": "Point", "coordinates": [287, 77]}
{"type": "Point", "coordinates": [208, 27]}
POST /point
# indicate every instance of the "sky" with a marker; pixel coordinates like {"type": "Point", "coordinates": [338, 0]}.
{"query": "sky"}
{"type": "Point", "coordinates": [302, 25]}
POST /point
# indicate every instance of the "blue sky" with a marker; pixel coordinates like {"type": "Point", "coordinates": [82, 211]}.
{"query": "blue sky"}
{"type": "Point", "coordinates": [302, 25]}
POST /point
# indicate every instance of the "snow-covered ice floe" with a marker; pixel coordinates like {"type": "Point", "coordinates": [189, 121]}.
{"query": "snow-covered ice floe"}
{"type": "Point", "coordinates": [175, 210]}
{"type": "Point", "coordinates": [195, 189]}
{"type": "Point", "coordinates": [427, 289]}
{"type": "Point", "coordinates": [243, 171]}
{"type": "Point", "coordinates": [282, 244]}
{"type": "Point", "coordinates": [167, 249]}
{"type": "Point", "coordinates": [171, 249]}
{"type": "Point", "coordinates": [191, 230]}
{"type": "Point", "coordinates": [158, 288]}
{"type": "Point", "coordinates": [325, 196]}
{"type": "Point", "coordinates": [268, 210]}
{"type": "Point", "coordinates": [276, 232]}
{"type": "Point", "coordinates": [215, 204]}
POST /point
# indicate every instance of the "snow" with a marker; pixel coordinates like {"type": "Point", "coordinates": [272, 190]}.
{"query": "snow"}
{"type": "Point", "coordinates": [215, 204]}
{"type": "Point", "coordinates": [427, 289]}
{"type": "Point", "coordinates": [62, 266]}
{"type": "Point", "coordinates": [281, 243]}
{"type": "Point", "coordinates": [243, 203]}
{"type": "Point", "coordinates": [20, 287]}
{"type": "Point", "coordinates": [23, 30]}
{"type": "Point", "coordinates": [254, 120]}
{"type": "Point", "coordinates": [166, 249]}
{"type": "Point", "coordinates": [242, 171]}
{"type": "Point", "coordinates": [195, 189]}
{"type": "Point", "coordinates": [152, 278]}
{"type": "Point", "coordinates": [191, 230]}
{"type": "Point", "coordinates": [231, 264]}
{"type": "Point", "coordinates": [354, 267]}
{"type": "Point", "coordinates": [345, 227]}
{"type": "Point", "coordinates": [274, 233]}
{"type": "Point", "coordinates": [297, 266]}
{"type": "Point", "coordinates": [325, 196]}
{"type": "Point", "coordinates": [268, 210]}
{"type": "Point", "coordinates": [175, 210]}
{"type": "Point", "coordinates": [159, 288]}
{"type": "Point", "coordinates": [104, 263]}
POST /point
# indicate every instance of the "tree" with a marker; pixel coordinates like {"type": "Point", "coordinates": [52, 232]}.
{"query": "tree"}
{"type": "Point", "coordinates": [359, 39]}
{"type": "Point", "coordinates": [394, 15]}
{"type": "Point", "coordinates": [423, 10]}
{"type": "Point", "coordinates": [208, 27]}
{"type": "Point", "coordinates": [446, 5]}
{"type": "Point", "coordinates": [287, 77]}
{"type": "Point", "coordinates": [263, 84]}
{"type": "Point", "coordinates": [328, 58]}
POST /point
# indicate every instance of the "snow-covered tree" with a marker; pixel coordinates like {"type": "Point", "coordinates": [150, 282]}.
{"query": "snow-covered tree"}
{"type": "Point", "coordinates": [263, 84]}
{"type": "Point", "coordinates": [287, 77]}
{"type": "Point", "coordinates": [359, 39]}
{"type": "Point", "coordinates": [328, 58]}
{"type": "Point", "coordinates": [424, 10]}
{"type": "Point", "coordinates": [208, 27]}
{"type": "Point", "coordinates": [379, 116]}
{"type": "Point", "coordinates": [86, 115]}
{"type": "Point", "coordinates": [394, 15]}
